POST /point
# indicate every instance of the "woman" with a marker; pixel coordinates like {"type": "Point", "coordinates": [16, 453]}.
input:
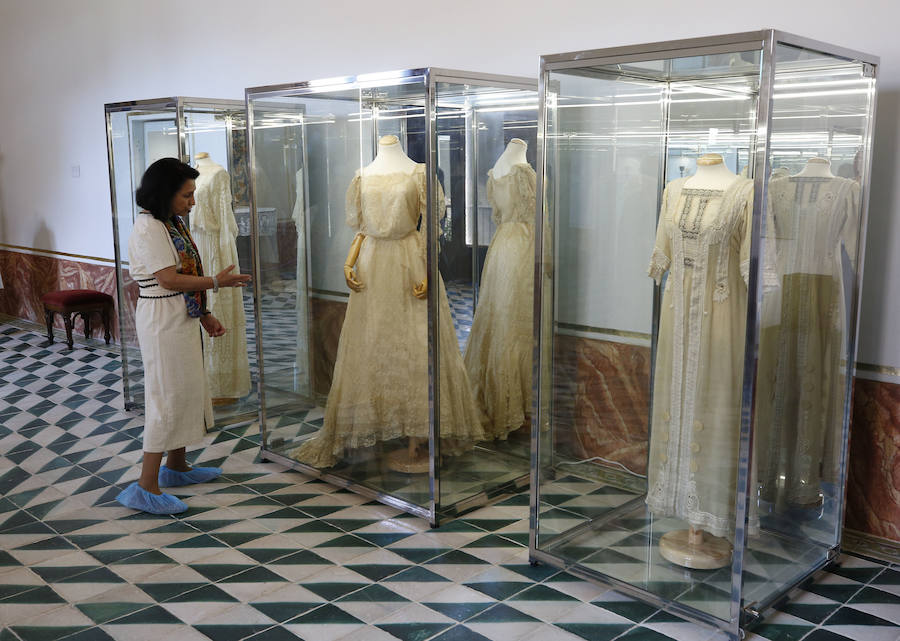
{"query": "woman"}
{"type": "Point", "coordinates": [171, 308]}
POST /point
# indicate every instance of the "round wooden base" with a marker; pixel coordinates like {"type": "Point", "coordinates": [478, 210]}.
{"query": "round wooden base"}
{"type": "Point", "coordinates": [711, 553]}
{"type": "Point", "coordinates": [400, 461]}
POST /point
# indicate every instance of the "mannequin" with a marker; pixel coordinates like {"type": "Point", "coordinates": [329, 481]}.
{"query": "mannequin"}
{"type": "Point", "coordinates": [816, 168]}
{"type": "Point", "coordinates": [703, 243]}
{"type": "Point", "coordinates": [214, 229]}
{"type": "Point", "coordinates": [379, 391]}
{"type": "Point", "coordinates": [499, 351]}
{"type": "Point", "coordinates": [513, 155]}
{"type": "Point", "coordinates": [711, 174]}
{"type": "Point", "coordinates": [390, 158]}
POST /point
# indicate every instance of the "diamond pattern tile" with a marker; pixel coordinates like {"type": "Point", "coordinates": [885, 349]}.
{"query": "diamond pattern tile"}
{"type": "Point", "coordinates": [270, 555]}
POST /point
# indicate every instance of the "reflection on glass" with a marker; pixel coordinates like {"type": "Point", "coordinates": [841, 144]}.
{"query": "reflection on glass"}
{"type": "Point", "coordinates": [499, 351]}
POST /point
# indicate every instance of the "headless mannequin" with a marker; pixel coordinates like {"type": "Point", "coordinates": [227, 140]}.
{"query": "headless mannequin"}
{"type": "Point", "coordinates": [513, 155]}
{"type": "Point", "coordinates": [711, 174]}
{"type": "Point", "coordinates": [391, 159]}
{"type": "Point", "coordinates": [204, 162]}
{"type": "Point", "coordinates": [206, 165]}
{"type": "Point", "coordinates": [696, 548]}
{"type": "Point", "coordinates": [816, 168]}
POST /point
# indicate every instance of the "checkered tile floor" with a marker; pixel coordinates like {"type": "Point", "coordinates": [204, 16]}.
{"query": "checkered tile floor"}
{"type": "Point", "coordinates": [266, 554]}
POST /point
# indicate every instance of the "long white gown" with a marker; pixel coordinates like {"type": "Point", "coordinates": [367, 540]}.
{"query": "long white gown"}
{"type": "Point", "coordinates": [802, 400]}
{"type": "Point", "coordinates": [177, 405]}
{"type": "Point", "coordinates": [499, 353]}
{"type": "Point", "coordinates": [380, 386]}
{"type": "Point", "coordinates": [703, 242]}
{"type": "Point", "coordinates": [215, 231]}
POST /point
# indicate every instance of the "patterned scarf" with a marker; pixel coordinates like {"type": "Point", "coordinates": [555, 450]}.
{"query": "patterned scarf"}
{"type": "Point", "coordinates": [190, 263]}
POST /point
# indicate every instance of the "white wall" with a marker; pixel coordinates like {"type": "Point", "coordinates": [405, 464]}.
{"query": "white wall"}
{"type": "Point", "coordinates": [61, 60]}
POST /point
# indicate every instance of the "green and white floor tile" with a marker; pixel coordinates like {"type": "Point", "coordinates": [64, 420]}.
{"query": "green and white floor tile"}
{"type": "Point", "coordinates": [270, 555]}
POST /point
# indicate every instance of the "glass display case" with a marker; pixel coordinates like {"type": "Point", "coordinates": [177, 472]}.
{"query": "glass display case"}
{"type": "Point", "coordinates": [395, 304]}
{"type": "Point", "coordinates": [210, 135]}
{"type": "Point", "coordinates": [691, 441]}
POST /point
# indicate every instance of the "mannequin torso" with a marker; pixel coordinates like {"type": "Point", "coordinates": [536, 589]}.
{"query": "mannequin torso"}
{"type": "Point", "coordinates": [816, 168]}
{"type": "Point", "coordinates": [513, 155]}
{"type": "Point", "coordinates": [206, 165]}
{"type": "Point", "coordinates": [390, 159]}
{"type": "Point", "coordinates": [711, 174]}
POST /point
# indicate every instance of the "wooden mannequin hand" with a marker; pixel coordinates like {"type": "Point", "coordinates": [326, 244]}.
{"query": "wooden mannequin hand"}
{"type": "Point", "coordinates": [212, 325]}
{"type": "Point", "coordinates": [352, 280]}
{"type": "Point", "coordinates": [227, 279]}
{"type": "Point", "coordinates": [420, 291]}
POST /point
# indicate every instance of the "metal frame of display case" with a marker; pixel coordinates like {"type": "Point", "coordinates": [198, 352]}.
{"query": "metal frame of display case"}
{"type": "Point", "coordinates": [177, 106]}
{"type": "Point", "coordinates": [430, 76]}
{"type": "Point", "coordinates": [765, 41]}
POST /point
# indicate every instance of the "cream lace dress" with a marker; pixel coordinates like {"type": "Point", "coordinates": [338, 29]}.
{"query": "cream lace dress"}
{"type": "Point", "coordinates": [380, 386]}
{"type": "Point", "coordinates": [703, 242]}
{"type": "Point", "coordinates": [215, 231]}
{"type": "Point", "coordinates": [499, 353]}
{"type": "Point", "coordinates": [801, 397]}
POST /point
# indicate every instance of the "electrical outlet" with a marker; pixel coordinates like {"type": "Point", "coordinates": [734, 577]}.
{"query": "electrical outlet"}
{"type": "Point", "coordinates": [76, 171]}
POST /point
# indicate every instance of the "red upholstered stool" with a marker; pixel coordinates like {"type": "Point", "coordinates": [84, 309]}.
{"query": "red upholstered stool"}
{"type": "Point", "coordinates": [74, 302]}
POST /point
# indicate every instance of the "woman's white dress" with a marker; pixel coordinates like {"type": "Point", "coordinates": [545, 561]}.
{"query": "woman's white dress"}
{"type": "Point", "coordinates": [215, 231]}
{"type": "Point", "coordinates": [802, 397]}
{"type": "Point", "coordinates": [177, 402]}
{"type": "Point", "coordinates": [380, 386]}
{"type": "Point", "coordinates": [499, 353]}
{"type": "Point", "coordinates": [703, 242]}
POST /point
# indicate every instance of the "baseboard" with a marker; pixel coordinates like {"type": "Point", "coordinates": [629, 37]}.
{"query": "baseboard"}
{"type": "Point", "coordinates": [870, 545]}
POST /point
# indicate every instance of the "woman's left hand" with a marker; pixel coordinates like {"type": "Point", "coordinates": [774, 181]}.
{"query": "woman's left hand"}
{"type": "Point", "coordinates": [212, 325]}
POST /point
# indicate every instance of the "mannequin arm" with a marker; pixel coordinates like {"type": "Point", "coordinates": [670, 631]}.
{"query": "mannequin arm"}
{"type": "Point", "coordinates": [420, 291]}
{"type": "Point", "coordinates": [349, 275]}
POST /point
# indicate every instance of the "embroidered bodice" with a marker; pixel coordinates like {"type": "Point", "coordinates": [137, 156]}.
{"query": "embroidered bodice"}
{"type": "Point", "coordinates": [212, 212]}
{"type": "Point", "coordinates": [512, 196]}
{"type": "Point", "coordinates": [388, 205]}
{"type": "Point", "coordinates": [812, 217]}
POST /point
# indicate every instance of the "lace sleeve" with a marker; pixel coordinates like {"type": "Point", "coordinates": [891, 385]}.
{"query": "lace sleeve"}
{"type": "Point", "coordinates": [850, 230]}
{"type": "Point", "coordinates": [526, 197]}
{"type": "Point", "coordinates": [440, 206]}
{"type": "Point", "coordinates": [767, 250]}
{"type": "Point", "coordinates": [661, 257]}
{"type": "Point", "coordinates": [224, 204]}
{"type": "Point", "coordinates": [495, 213]}
{"type": "Point", "coordinates": [354, 204]}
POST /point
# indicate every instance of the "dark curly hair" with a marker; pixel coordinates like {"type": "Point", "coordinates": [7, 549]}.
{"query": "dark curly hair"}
{"type": "Point", "coordinates": [160, 183]}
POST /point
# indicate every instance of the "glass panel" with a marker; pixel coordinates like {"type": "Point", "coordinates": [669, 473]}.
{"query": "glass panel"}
{"type": "Point", "coordinates": [486, 143]}
{"type": "Point", "coordinates": [215, 141]}
{"type": "Point", "coordinates": [818, 152]}
{"type": "Point", "coordinates": [138, 137]}
{"type": "Point", "coordinates": [643, 385]}
{"type": "Point", "coordinates": [344, 336]}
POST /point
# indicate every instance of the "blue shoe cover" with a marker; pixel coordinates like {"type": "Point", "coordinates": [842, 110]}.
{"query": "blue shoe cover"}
{"type": "Point", "coordinates": [173, 478]}
{"type": "Point", "coordinates": [137, 498]}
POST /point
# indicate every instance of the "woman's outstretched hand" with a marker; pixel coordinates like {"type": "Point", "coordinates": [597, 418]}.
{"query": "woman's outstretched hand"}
{"type": "Point", "coordinates": [212, 325]}
{"type": "Point", "coordinates": [227, 279]}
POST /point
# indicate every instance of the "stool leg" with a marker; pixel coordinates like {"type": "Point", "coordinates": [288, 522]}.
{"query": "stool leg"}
{"type": "Point", "coordinates": [87, 324]}
{"type": "Point", "coordinates": [48, 317]}
{"type": "Point", "coordinates": [67, 320]}
{"type": "Point", "coordinates": [105, 317]}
